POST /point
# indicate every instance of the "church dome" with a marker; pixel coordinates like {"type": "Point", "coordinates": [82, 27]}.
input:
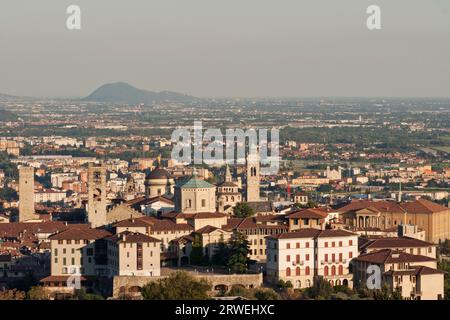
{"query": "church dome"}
{"type": "Point", "coordinates": [157, 174]}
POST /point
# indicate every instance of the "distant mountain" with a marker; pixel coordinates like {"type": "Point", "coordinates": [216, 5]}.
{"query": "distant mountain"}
{"type": "Point", "coordinates": [121, 92]}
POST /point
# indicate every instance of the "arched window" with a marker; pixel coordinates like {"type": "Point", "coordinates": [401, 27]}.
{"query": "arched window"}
{"type": "Point", "coordinates": [298, 284]}
{"type": "Point", "coordinates": [308, 283]}
{"type": "Point", "coordinates": [341, 270]}
{"type": "Point", "coordinates": [325, 271]}
{"type": "Point", "coordinates": [288, 272]}
{"type": "Point", "coordinates": [307, 271]}
{"type": "Point", "coordinates": [333, 270]}
{"type": "Point", "coordinates": [297, 271]}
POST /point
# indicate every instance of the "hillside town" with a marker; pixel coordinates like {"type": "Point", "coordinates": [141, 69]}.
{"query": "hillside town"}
{"type": "Point", "coordinates": [112, 226]}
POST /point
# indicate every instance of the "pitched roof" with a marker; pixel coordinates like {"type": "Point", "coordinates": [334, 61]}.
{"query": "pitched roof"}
{"type": "Point", "coordinates": [414, 270]}
{"type": "Point", "coordinates": [397, 242]}
{"type": "Point", "coordinates": [423, 206]}
{"type": "Point", "coordinates": [131, 237]}
{"type": "Point", "coordinates": [392, 256]}
{"type": "Point", "coordinates": [206, 229]}
{"type": "Point", "coordinates": [312, 233]}
{"type": "Point", "coordinates": [80, 234]}
{"type": "Point", "coordinates": [381, 206]}
{"type": "Point", "coordinates": [310, 213]}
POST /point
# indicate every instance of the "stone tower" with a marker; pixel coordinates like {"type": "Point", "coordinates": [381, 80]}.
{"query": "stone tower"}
{"type": "Point", "coordinates": [228, 177]}
{"type": "Point", "coordinates": [26, 194]}
{"type": "Point", "coordinates": [252, 183]}
{"type": "Point", "coordinates": [96, 210]}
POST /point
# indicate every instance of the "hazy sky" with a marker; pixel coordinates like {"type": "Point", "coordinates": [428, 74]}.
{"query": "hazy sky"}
{"type": "Point", "coordinates": [218, 48]}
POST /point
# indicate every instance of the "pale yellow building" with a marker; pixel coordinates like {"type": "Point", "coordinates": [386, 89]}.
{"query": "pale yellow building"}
{"type": "Point", "coordinates": [133, 254]}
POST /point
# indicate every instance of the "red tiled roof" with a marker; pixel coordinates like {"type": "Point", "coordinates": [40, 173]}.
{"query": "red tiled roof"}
{"type": "Point", "coordinates": [397, 242]}
{"type": "Point", "coordinates": [306, 214]}
{"type": "Point", "coordinates": [206, 229]}
{"type": "Point", "coordinates": [392, 256]}
{"type": "Point", "coordinates": [423, 206]}
{"type": "Point", "coordinates": [131, 237]}
{"type": "Point", "coordinates": [312, 233]}
{"type": "Point", "coordinates": [381, 206]}
{"type": "Point", "coordinates": [80, 234]}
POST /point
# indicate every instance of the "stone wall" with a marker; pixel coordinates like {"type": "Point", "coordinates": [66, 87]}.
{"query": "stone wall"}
{"type": "Point", "coordinates": [219, 282]}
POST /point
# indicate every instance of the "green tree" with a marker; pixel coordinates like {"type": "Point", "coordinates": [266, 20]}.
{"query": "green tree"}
{"type": "Point", "coordinates": [8, 194]}
{"type": "Point", "coordinates": [239, 251]}
{"type": "Point", "coordinates": [243, 210]}
{"type": "Point", "coordinates": [179, 285]}
{"type": "Point", "coordinates": [284, 284]}
{"type": "Point", "coordinates": [266, 294]}
{"type": "Point", "coordinates": [325, 188]}
{"type": "Point", "coordinates": [196, 256]}
{"type": "Point", "coordinates": [38, 293]}
{"type": "Point", "coordinates": [220, 257]}
{"type": "Point", "coordinates": [321, 289]}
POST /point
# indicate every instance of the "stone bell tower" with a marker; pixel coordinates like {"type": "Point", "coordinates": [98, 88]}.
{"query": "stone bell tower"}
{"type": "Point", "coordinates": [96, 210]}
{"type": "Point", "coordinates": [26, 194]}
{"type": "Point", "coordinates": [253, 176]}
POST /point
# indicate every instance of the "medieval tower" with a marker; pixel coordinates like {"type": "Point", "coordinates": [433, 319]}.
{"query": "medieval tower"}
{"type": "Point", "coordinates": [26, 194]}
{"type": "Point", "coordinates": [96, 210]}
{"type": "Point", "coordinates": [252, 183]}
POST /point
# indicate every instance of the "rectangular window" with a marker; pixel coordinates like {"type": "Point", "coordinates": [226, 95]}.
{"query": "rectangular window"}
{"type": "Point", "coordinates": [350, 242]}
{"type": "Point", "coordinates": [307, 257]}
{"type": "Point", "coordinates": [340, 243]}
{"type": "Point", "coordinates": [350, 254]}
{"type": "Point", "coordinates": [307, 245]}
{"type": "Point", "coordinates": [297, 258]}
{"type": "Point", "coordinates": [326, 256]}
{"type": "Point", "coordinates": [288, 245]}
{"type": "Point", "coordinates": [297, 245]}
{"type": "Point", "coordinates": [340, 257]}
{"type": "Point", "coordinates": [326, 244]}
{"type": "Point", "coordinates": [333, 244]}
{"type": "Point", "coordinates": [288, 258]}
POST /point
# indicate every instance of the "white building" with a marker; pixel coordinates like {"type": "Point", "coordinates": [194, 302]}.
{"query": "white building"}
{"type": "Point", "coordinates": [302, 255]}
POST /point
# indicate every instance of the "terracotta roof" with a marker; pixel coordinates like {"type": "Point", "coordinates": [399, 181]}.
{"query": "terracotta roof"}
{"type": "Point", "coordinates": [414, 270]}
{"type": "Point", "coordinates": [397, 242]}
{"type": "Point", "coordinates": [27, 230]}
{"type": "Point", "coordinates": [80, 234]}
{"type": "Point", "coordinates": [206, 229]}
{"type": "Point", "coordinates": [228, 184]}
{"type": "Point", "coordinates": [392, 256]}
{"type": "Point", "coordinates": [207, 215]}
{"type": "Point", "coordinates": [312, 233]}
{"type": "Point", "coordinates": [306, 214]}
{"type": "Point", "coordinates": [131, 237]}
{"type": "Point", "coordinates": [423, 206]}
{"type": "Point", "coordinates": [381, 206]}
